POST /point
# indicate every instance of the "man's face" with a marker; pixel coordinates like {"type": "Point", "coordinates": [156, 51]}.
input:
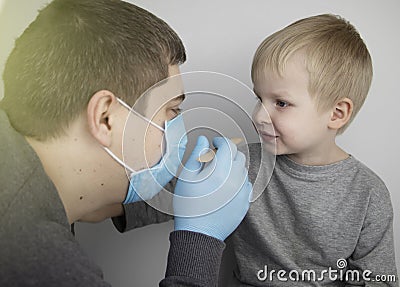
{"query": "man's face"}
{"type": "Point", "coordinates": [143, 142]}
{"type": "Point", "coordinates": [293, 123]}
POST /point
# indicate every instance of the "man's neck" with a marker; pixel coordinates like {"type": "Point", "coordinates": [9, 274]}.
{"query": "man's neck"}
{"type": "Point", "coordinates": [78, 176]}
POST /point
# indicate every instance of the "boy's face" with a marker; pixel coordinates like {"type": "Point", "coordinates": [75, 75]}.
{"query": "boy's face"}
{"type": "Point", "coordinates": [294, 125]}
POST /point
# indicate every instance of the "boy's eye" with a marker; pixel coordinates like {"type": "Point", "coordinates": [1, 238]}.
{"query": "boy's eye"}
{"type": "Point", "coordinates": [281, 104]}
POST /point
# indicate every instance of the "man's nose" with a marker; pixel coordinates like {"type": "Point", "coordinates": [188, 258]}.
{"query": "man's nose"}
{"type": "Point", "coordinates": [261, 116]}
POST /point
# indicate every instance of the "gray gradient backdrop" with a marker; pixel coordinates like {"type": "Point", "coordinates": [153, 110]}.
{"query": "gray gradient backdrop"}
{"type": "Point", "coordinates": [222, 36]}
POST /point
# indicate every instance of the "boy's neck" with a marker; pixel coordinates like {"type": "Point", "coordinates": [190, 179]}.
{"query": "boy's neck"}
{"type": "Point", "coordinates": [321, 157]}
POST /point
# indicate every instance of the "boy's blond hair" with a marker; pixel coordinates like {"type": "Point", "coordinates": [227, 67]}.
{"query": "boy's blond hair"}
{"type": "Point", "coordinates": [337, 59]}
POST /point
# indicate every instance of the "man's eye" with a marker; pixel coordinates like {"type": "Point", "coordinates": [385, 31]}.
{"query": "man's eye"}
{"type": "Point", "coordinates": [177, 111]}
{"type": "Point", "coordinates": [281, 104]}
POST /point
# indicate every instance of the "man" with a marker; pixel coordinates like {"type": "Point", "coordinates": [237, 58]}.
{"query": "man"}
{"type": "Point", "coordinates": [69, 85]}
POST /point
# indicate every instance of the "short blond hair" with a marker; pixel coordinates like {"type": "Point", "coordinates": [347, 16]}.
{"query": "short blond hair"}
{"type": "Point", "coordinates": [75, 48]}
{"type": "Point", "coordinates": [337, 59]}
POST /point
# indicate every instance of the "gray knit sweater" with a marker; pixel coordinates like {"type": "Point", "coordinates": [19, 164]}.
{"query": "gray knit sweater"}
{"type": "Point", "coordinates": [315, 218]}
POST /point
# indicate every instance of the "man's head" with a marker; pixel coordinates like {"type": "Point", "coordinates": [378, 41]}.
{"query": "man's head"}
{"type": "Point", "coordinates": [62, 81]}
{"type": "Point", "coordinates": [76, 48]}
{"type": "Point", "coordinates": [336, 59]}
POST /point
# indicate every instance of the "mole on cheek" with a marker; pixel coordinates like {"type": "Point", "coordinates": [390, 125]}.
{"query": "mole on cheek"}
{"type": "Point", "coordinates": [81, 197]}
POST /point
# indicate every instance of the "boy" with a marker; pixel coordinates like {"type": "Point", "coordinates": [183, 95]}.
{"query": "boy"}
{"type": "Point", "coordinates": [322, 208]}
{"type": "Point", "coordinates": [63, 115]}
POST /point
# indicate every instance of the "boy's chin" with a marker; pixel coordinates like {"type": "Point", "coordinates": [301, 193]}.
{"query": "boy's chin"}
{"type": "Point", "coordinates": [271, 148]}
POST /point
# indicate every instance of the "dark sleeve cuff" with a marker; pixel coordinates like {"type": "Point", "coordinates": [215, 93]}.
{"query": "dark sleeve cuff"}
{"type": "Point", "coordinates": [194, 257]}
{"type": "Point", "coordinates": [138, 214]}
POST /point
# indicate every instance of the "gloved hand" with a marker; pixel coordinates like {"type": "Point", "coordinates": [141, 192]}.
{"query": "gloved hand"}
{"type": "Point", "coordinates": [146, 183]}
{"type": "Point", "coordinates": [212, 200]}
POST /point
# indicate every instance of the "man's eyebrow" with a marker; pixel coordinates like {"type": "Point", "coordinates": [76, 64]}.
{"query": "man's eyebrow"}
{"type": "Point", "coordinates": [180, 98]}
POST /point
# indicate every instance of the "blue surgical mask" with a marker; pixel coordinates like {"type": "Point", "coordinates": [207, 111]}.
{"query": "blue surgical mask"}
{"type": "Point", "coordinates": [146, 183]}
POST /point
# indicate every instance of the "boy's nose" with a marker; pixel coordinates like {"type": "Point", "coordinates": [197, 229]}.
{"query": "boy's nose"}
{"type": "Point", "coordinates": [261, 115]}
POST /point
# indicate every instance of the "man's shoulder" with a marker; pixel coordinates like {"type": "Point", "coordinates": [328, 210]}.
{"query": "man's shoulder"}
{"type": "Point", "coordinates": [26, 190]}
{"type": "Point", "coordinates": [17, 157]}
{"type": "Point", "coordinates": [45, 253]}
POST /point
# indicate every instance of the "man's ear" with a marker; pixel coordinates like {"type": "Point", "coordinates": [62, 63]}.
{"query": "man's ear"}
{"type": "Point", "coordinates": [100, 116]}
{"type": "Point", "coordinates": [341, 113]}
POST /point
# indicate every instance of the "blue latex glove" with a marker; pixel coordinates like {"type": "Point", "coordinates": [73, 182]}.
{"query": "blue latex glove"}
{"type": "Point", "coordinates": [217, 196]}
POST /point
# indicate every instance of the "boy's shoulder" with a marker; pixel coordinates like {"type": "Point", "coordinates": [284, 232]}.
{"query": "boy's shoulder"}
{"type": "Point", "coordinates": [260, 163]}
{"type": "Point", "coordinates": [365, 179]}
{"type": "Point", "coordinates": [367, 176]}
{"type": "Point", "coordinates": [253, 152]}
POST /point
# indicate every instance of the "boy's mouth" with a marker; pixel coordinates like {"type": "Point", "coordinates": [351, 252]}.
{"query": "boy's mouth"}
{"type": "Point", "coordinates": [267, 137]}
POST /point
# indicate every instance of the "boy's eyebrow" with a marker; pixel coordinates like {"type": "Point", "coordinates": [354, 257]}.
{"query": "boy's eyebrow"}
{"type": "Point", "coordinates": [277, 94]}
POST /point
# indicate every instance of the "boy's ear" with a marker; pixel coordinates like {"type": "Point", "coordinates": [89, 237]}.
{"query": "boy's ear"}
{"type": "Point", "coordinates": [100, 116]}
{"type": "Point", "coordinates": [341, 113]}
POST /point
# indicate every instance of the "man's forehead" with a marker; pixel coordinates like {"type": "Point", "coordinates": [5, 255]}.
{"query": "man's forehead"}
{"type": "Point", "coordinates": [152, 102]}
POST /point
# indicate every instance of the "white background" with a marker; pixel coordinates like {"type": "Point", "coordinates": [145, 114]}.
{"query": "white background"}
{"type": "Point", "coordinates": [222, 36]}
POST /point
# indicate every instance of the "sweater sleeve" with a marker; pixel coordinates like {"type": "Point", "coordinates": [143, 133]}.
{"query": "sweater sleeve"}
{"type": "Point", "coordinates": [139, 214]}
{"type": "Point", "coordinates": [193, 260]}
{"type": "Point", "coordinates": [374, 252]}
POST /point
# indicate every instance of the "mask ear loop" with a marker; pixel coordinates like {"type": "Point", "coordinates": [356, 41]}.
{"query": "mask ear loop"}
{"type": "Point", "coordinates": [139, 115]}
{"type": "Point", "coordinates": [118, 160]}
